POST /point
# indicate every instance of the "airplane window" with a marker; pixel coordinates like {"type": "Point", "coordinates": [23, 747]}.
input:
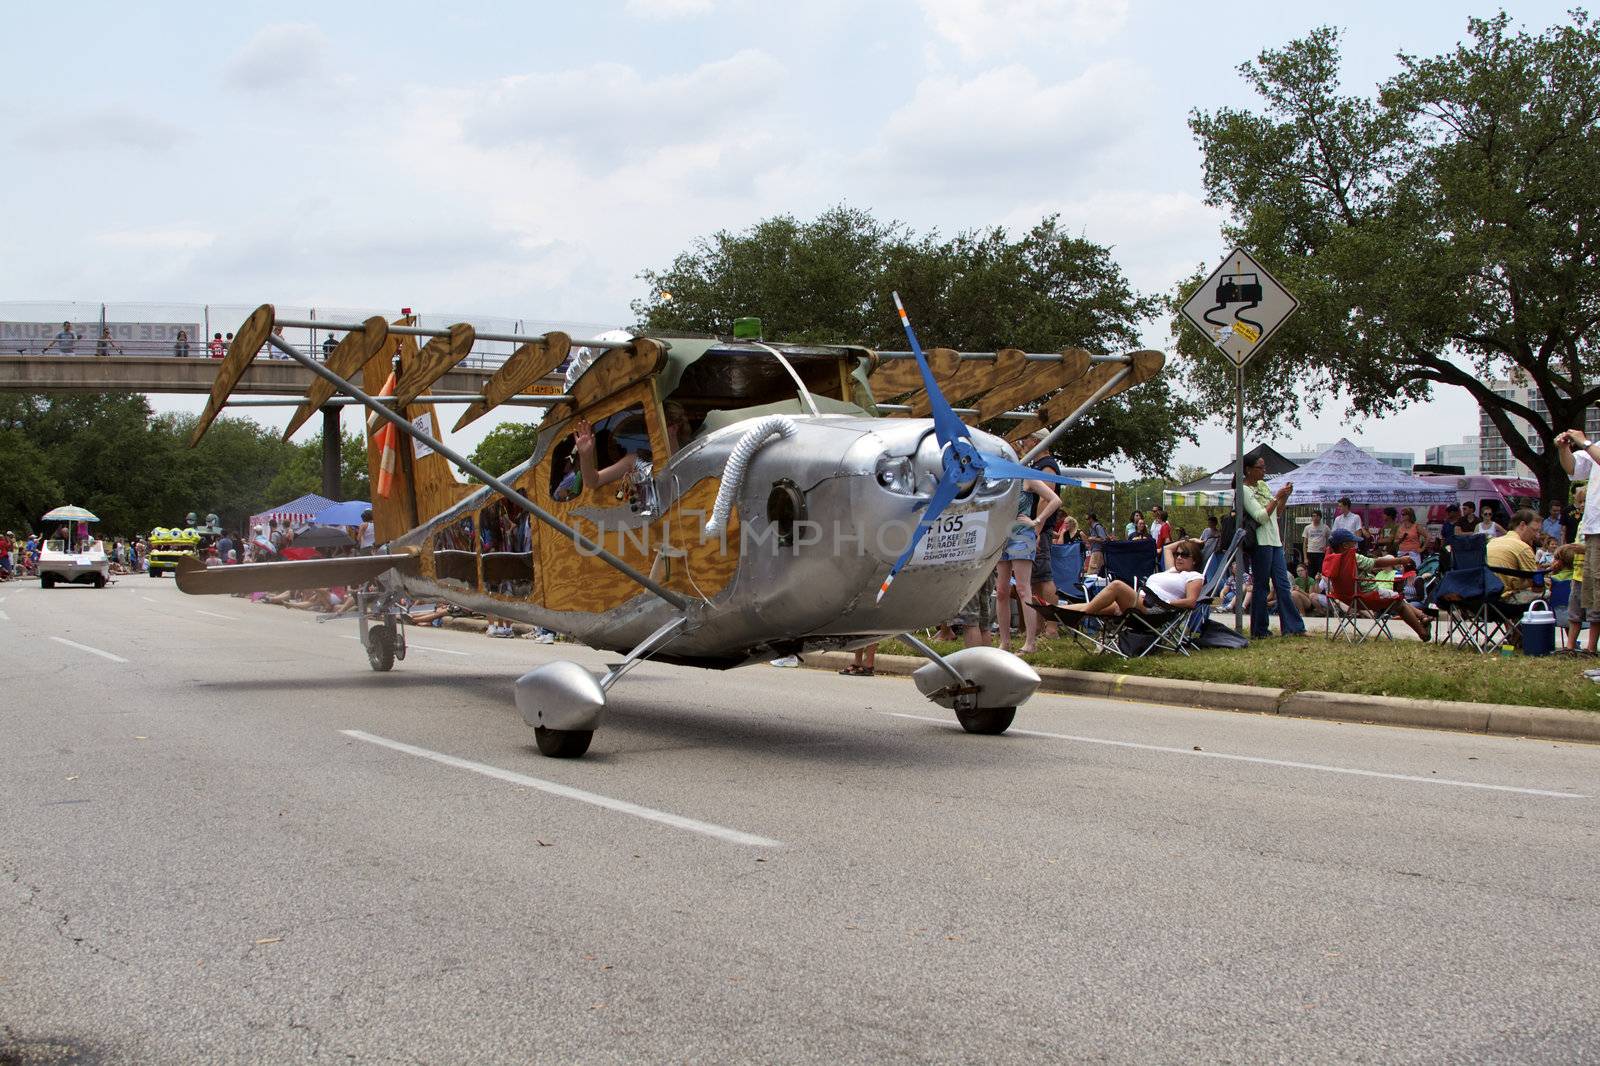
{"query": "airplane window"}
{"type": "Point", "coordinates": [455, 555]}
{"type": "Point", "coordinates": [506, 535]}
{"type": "Point", "coordinates": [622, 460]}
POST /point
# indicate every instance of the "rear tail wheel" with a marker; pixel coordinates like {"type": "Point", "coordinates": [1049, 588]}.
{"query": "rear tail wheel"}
{"type": "Point", "coordinates": [99, 581]}
{"type": "Point", "coordinates": [48, 581]}
{"type": "Point", "coordinates": [380, 648]}
{"type": "Point", "coordinates": [562, 743]}
{"type": "Point", "coordinates": [987, 721]}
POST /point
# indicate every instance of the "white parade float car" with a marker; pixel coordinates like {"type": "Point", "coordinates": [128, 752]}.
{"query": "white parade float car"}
{"type": "Point", "coordinates": [57, 565]}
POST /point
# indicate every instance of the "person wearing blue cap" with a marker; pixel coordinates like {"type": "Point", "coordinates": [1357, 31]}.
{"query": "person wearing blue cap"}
{"type": "Point", "coordinates": [1267, 563]}
{"type": "Point", "coordinates": [1367, 590]}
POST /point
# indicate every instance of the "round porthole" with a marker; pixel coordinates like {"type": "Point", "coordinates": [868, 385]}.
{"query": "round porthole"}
{"type": "Point", "coordinates": [786, 508]}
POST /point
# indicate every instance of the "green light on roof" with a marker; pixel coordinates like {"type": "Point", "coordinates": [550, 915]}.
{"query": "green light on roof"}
{"type": "Point", "coordinates": [747, 329]}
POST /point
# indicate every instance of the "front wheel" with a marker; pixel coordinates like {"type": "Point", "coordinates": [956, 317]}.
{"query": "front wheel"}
{"type": "Point", "coordinates": [154, 572]}
{"type": "Point", "coordinates": [987, 721]}
{"type": "Point", "coordinates": [380, 649]}
{"type": "Point", "coordinates": [99, 581]}
{"type": "Point", "coordinates": [48, 581]}
{"type": "Point", "coordinates": [562, 743]}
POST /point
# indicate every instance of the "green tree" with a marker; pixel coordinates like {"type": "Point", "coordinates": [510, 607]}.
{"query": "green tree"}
{"type": "Point", "coordinates": [830, 280]}
{"type": "Point", "coordinates": [301, 471]}
{"type": "Point", "coordinates": [1441, 232]}
{"type": "Point", "coordinates": [505, 446]}
{"type": "Point", "coordinates": [26, 488]}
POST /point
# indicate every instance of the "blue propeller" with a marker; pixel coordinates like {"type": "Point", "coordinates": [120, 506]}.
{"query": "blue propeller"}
{"type": "Point", "coordinates": [963, 463]}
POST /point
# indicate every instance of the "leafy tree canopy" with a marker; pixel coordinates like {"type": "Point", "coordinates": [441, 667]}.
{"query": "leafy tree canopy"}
{"type": "Point", "coordinates": [830, 280]}
{"type": "Point", "coordinates": [135, 470]}
{"type": "Point", "coordinates": [505, 446]}
{"type": "Point", "coordinates": [1440, 232]}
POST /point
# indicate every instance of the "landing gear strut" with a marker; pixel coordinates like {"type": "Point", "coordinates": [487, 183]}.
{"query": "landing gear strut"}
{"type": "Point", "coordinates": [381, 634]}
{"type": "Point", "coordinates": [984, 686]}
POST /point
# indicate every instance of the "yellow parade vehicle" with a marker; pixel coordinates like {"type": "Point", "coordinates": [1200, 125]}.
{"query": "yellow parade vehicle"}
{"type": "Point", "coordinates": [167, 546]}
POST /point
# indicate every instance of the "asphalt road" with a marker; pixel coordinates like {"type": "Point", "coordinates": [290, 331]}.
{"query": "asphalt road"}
{"type": "Point", "coordinates": [212, 851]}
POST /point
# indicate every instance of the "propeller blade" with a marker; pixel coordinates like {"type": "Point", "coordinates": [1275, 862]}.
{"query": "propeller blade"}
{"type": "Point", "coordinates": [945, 422]}
{"type": "Point", "coordinates": [1005, 468]}
{"type": "Point", "coordinates": [946, 491]}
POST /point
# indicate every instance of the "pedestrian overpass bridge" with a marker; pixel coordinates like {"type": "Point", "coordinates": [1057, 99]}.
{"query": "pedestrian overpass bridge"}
{"type": "Point", "coordinates": [166, 374]}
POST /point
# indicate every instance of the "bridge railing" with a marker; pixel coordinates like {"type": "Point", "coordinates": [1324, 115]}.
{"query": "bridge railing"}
{"type": "Point", "coordinates": [151, 330]}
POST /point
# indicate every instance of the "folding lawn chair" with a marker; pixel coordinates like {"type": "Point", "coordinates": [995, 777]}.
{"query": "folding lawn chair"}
{"type": "Point", "coordinates": [1131, 562]}
{"type": "Point", "coordinates": [1466, 594]}
{"type": "Point", "coordinates": [1179, 628]}
{"type": "Point", "coordinates": [1346, 605]}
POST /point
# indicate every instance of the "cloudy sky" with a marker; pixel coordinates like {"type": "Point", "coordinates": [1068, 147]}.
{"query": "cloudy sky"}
{"type": "Point", "coordinates": [528, 161]}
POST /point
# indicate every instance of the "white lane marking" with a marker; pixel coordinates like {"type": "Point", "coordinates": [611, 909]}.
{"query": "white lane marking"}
{"type": "Point", "coordinates": [1264, 762]}
{"type": "Point", "coordinates": [147, 599]}
{"type": "Point", "coordinates": [649, 814]}
{"type": "Point", "coordinates": [91, 651]}
{"type": "Point", "coordinates": [4, 617]}
{"type": "Point", "coordinates": [214, 614]}
{"type": "Point", "coordinates": [417, 647]}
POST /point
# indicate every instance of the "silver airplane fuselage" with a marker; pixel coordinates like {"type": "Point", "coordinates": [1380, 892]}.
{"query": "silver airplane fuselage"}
{"type": "Point", "coordinates": [823, 514]}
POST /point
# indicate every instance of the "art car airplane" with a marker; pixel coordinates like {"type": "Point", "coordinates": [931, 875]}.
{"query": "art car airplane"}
{"type": "Point", "coordinates": [767, 499]}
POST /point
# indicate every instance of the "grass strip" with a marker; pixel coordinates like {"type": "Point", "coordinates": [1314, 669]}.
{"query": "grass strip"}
{"type": "Point", "coordinates": [1378, 668]}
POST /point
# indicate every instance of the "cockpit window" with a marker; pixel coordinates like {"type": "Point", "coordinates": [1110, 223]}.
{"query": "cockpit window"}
{"type": "Point", "coordinates": [619, 456]}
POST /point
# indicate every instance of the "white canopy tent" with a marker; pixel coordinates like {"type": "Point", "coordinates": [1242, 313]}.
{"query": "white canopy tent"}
{"type": "Point", "coordinates": [1345, 470]}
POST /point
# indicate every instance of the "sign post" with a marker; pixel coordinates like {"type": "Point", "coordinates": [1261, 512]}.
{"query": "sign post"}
{"type": "Point", "coordinates": [1239, 307]}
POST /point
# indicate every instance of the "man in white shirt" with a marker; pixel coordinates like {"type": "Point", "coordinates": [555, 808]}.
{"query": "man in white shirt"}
{"type": "Point", "coordinates": [1581, 459]}
{"type": "Point", "coordinates": [1345, 518]}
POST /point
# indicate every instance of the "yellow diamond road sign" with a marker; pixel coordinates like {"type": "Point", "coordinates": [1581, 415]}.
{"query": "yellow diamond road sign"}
{"type": "Point", "coordinates": [1239, 307]}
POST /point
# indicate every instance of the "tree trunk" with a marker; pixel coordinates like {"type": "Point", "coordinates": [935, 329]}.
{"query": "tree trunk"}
{"type": "Point", "coordinates": [1553, 481]}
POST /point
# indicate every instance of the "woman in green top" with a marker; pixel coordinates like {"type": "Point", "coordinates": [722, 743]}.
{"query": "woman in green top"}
{"type": "Point", "coordinates": [1262, 506]}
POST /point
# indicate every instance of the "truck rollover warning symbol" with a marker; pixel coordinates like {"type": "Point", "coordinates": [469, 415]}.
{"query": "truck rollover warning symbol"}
{"type": "Point", "coordinates": [1239, 306]}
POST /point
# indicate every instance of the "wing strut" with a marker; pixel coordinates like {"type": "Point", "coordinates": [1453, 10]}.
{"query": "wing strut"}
{"type": "Point", "coordinates": [400, 422]}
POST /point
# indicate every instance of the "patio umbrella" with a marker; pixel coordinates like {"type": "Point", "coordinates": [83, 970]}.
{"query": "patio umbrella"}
{"type": "Point", "coordinates": [70, 513]}
{"type": "Point", "coordinates": [323, 537]}
{"type": "Point", "coordinates": [343, 514]}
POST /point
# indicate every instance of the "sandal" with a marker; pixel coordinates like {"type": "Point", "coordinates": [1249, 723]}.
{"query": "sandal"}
{"type": "Point", "coordinates": [851, 671]}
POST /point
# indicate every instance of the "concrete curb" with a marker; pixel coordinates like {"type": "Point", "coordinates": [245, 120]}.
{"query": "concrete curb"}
{"type": "Point", "coordinates": [1550, 723]}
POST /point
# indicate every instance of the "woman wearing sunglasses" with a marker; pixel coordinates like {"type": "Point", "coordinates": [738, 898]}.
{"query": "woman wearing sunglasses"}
{"type": "Point", "coordinates": [1176, 587]}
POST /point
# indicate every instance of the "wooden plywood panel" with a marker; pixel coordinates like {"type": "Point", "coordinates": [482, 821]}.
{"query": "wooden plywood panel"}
{"type": "Point", "coordinates": [617, 369]}
{"type": "Point", "coordinates": [1034, 381]}
{"type": "Point", "coordinates": [247, 341]}
{"type": "Point", "coordinates": [349, 355]}
{"type": "Point", "coordinates": [396, 513]}
{"type": "Point", "coordinates": [1146, 365]}
{"type": "Point", "coordinates": [573, 581]}
{"type": "Point", "coordinates": [437, 486]}
{"type": "Point", "coordinates": [433, 362]}
{"type": "Point", "coordinates": [527, 365]}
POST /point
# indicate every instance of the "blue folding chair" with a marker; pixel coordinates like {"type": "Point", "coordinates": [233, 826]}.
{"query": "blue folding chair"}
{"type": "Point", "coordinates": [1179, 630]}
{"type": "Point", "coordinates": [1131, 562]}
{"type": "Point", "coordinates": [1468, 596]}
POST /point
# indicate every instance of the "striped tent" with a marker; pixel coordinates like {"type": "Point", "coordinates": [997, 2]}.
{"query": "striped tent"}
{"type": "Point", "coordinates": [296, 512]}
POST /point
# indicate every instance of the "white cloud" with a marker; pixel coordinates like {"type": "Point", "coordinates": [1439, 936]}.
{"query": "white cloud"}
{"type": "Point", "coordinates": [158, 240]}
{"type": "Point", "coordinates": [668, 9]}
{"type": "Point", "coordinates": [1004, 128]}
{"type": "Point", "coordinates": [610, 107]}
{"type": "Point", "coordinates": [103, 128]}
{"type": "Point", "coordinates": [981, 28]}
{"type": "Point", "coordinates": [279, 56]}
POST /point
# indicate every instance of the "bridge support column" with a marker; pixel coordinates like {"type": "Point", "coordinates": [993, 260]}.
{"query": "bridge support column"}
{"type": "Point", "coordinates": [332, 441]}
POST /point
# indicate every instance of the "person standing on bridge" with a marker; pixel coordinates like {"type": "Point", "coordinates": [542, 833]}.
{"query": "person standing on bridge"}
{"type": "Point", "coordinates": [215, 347]}
{"type": "Point", "coordinates": [180, 347]}
{"type": "Point", "coordinates": [329, 343]}
{"type": "Point", "coordinates": [66, 340]}
{"type": "Point", "coordinates": [105, 345]}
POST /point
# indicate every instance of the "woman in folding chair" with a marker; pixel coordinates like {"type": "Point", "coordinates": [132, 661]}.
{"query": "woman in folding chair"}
{"type": "Point", "coordinates": [1337, 567]}
{"type": "Point", "coordinates": [1175, 588]}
